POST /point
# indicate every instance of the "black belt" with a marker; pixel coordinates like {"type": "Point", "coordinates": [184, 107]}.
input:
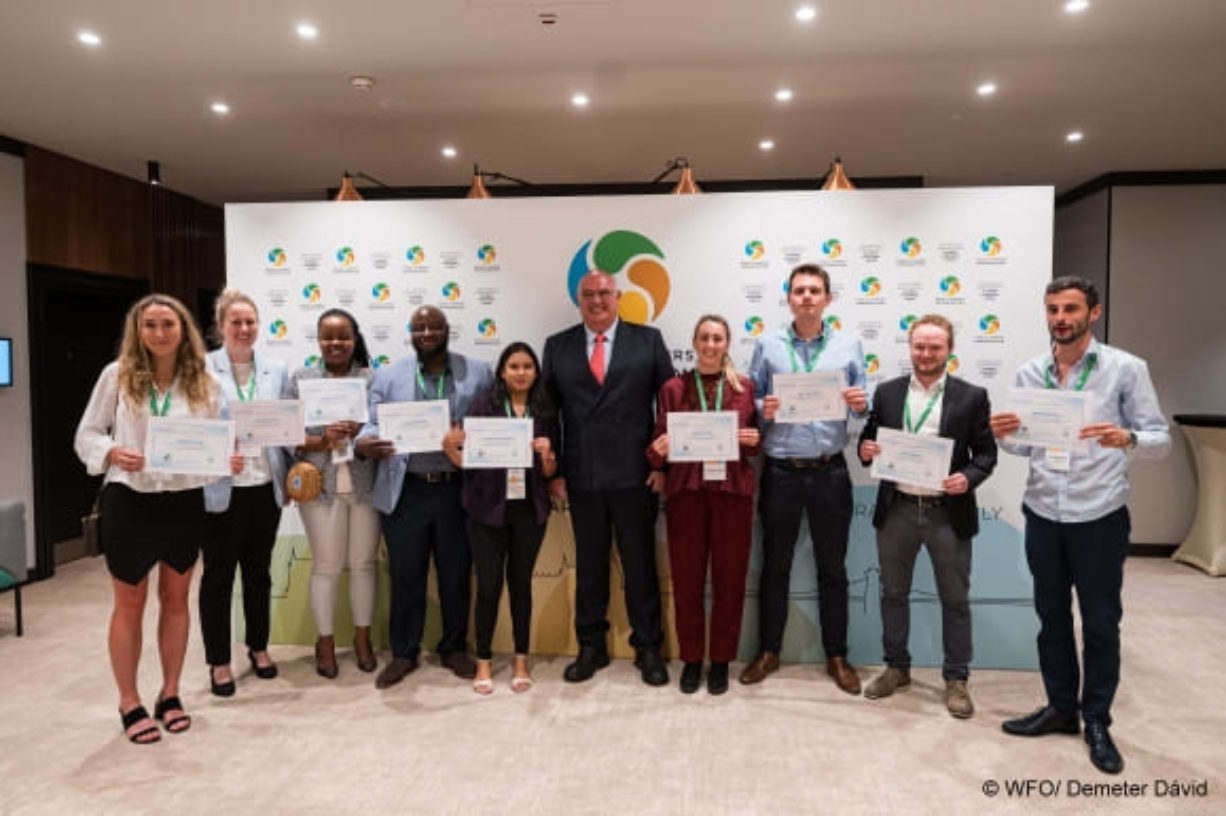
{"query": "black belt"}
{"type": "Point", "coordinates": [436, 477]}
{"type": "Point", "coordinates": [810, 463]}
{"type": "Point", "coordinates": [921, 501]}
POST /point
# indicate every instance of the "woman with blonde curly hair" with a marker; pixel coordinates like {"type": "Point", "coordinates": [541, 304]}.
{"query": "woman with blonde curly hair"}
{"type": "Point", "coordinates": [149, 519]}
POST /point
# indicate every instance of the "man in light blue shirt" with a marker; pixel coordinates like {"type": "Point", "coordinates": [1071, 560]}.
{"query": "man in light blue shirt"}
{"type": "Point", "coordinates": [805, 473]}
{"type": "Point", "coordinates": [1077, 521]}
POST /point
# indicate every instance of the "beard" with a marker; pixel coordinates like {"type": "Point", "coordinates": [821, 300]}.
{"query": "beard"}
{"type": "Point", "coordinates": [1076, 331]}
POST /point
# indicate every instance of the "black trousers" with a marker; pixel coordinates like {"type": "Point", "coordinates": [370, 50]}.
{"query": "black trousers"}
{"type": "Point", "coordinates": [596, 515]}
{"type": "Point", "coordinates": [428, 519]}
{"type": "Point", "coordinates": [508, 550]}
{"type": "Point", "coordinates": [243, 535]}
{"type": "Point", "coordinates": [824, 495]}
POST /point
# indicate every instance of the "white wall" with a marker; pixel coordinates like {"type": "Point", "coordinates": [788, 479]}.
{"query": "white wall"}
{"type": "Point", "coordinates": [1168, 287]}
{"type": "Point", "coordinates": [16, 459]}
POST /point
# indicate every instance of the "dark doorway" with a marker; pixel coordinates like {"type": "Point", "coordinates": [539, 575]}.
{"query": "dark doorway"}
{"type": "Point", "coordinates": [75, 326]}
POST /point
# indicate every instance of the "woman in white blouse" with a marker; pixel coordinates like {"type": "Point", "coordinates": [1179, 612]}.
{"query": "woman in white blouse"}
{"type": "Point", "coordinates": [149, 519]}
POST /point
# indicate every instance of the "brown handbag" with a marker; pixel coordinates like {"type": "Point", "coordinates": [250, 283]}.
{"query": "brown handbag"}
{"type": "Point", "coordinates": [303, 482]}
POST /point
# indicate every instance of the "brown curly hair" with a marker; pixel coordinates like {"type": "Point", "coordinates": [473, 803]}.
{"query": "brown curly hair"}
{"type": "Point", "coordinates": [136, 364]}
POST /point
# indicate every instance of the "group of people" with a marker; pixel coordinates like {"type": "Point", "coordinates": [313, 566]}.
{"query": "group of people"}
{"type": "Point", "coordinates": [599, 401]}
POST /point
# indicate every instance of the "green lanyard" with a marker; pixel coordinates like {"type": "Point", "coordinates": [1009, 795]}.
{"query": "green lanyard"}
{"type": "Point", "coordinates": [442, 382]}
{"type": "Point", "coordinates": [702, 392]}
{"type": "Point", "coordinates": [506, 402]}
{"type": "Point", "coordinates": [250, 395]}
{"type": "Point", "coordinates": [153, 400]}
{"type": "Point", "coordinates": [1091, 360]}
{"type": "Point", "coordinates": [927, 410]}
{"type": "Point", "coordinates": [821, 346]}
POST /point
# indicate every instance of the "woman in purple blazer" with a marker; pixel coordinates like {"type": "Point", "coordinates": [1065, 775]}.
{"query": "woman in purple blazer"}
{"type": "Point", "coordinates": [507, 510]}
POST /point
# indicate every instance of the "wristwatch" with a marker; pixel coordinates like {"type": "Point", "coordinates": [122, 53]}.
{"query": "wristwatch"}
{"type": "Point", "coordinates": [1132, 439]}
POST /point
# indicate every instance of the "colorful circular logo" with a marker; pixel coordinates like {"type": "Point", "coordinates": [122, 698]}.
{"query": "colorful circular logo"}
{"type": "Point", "coordinates": [754, 250]}
{"type": "Point", "coordinates": [381, 292]}
{"type": "Point", "coordinates": [951, 364]}
{"type": "Point", "coordinates": [910, 246]}
{"type": "Point", "coordinates": [754, 326]}
{"type": "Point", "coordinates": [905, 322]}
{"type": "Point", "coordinates": [831, 248]}
{"type": "Point", "coordinates": [415, 255]}
{"type": "Point", "coordinates": [635, 255]}
{"type": "Point", "coordinates": [278, 329]}
{"type": "Point", "coordinates": [833, 322]}
{"type": "Point", "coordinates": [486, 254]}
{"type": "Point", "coordinates": [950, 285]}
{"type": "Point", "coordinates": [276, 256]}
{"type": "Point", "coordinates": [311, 361]}
{"type": "Point", "coordinates": [486, 327]}
{"type": "Point", "coordinates": [379, 361]}
{"type": "Point", "coordinates": [989, 324]}
{"type": "Point", "coordinates": [872, 364]}
{"type": "Point", "coordinates": [345, 256]}
{"type": "Point", "coordinates": [311, 293]}
{"type": "Point", "coordinates": [451, 291]}
{"type": "Point", "coordinates": [990, 246]}
{"type": "Point", "coordinates": [870, 286]}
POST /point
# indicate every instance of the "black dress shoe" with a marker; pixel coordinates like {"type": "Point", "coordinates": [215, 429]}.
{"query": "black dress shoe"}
{"type": "Point", "coordinates": [460, 664]}
{"type": "Point", "coordinates": [263, 672]}
{"type": "Point", "coordinates": [651, 667]}
{"type": "Point", "coordinates": [590, 660]}
{"type": "Point", "coordinates": [1103, 753]}
{"type": "Point", "coordinates": [1046, 720]}
{"type": "Point", "coordinates": [717, 678]}
{"type": "Point", "coordinates": [225, 689]}
{"type": "Point", "coordinates": [691, 677]}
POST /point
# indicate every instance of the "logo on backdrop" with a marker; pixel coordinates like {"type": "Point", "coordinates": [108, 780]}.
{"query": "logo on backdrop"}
{"type": "Point", "coordinates": [278, 329]}
{"type": "Point", "coordinates": [754, 326]}
{"type": "Point", "coordinates": [311, 361]}
{"type": "Point", "coordinates": [870, 287]}
{"type": "Point", "coordinates": [486, 254]}
{"type": "Point", "coordinates": [833, 322]}
{"type": "Point", "coordinates": [276, 257]}
{"type": "Point", "coordinates": [990, 246]}
{"type": "Point", "coordinates": [872, 363]}
{"type": "Point", "coordinates": [380, 361]}
{"type": "Point", "coordinates": [311, 293]}
{"type": "Point", "coordinates": [910, 247]}
{"type": "Point", "coordinates": [754, 250]}
{"type": "Point", "coordinates": [989, 324]}
{"type": "Point", "coordinates": [487, 328]}
{"type": "Point", "coordinates": [951, 364]}
{"type": "Point", "coordinates": [415, 255]}
{"type": "Point", "coordinates": [906, 321]}
{"type": "Point", "coordinates": [831, 248]}
{"type": "Point", "coordinates": [950, 286]}
{"type": "Point", "coordinates": [451, 291]}
{"type": "Point", "coordinates": [638, 259]}
{"type": "Point", "coordinates": [381, 292]}
{"type": "Point", "coordinates": [345, 257]}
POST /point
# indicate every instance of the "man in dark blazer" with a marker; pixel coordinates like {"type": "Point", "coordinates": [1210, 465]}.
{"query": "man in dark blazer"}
{"type": "Point", "coordinates": [930, 402]}
{"type": "Point", "coordinates": [604, 374]}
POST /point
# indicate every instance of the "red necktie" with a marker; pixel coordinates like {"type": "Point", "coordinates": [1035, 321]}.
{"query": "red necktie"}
{"type": "Point", "coordinates": [597, 361]}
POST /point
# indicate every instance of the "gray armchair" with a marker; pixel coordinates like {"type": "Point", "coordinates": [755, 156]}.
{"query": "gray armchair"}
{"type": "Point", "coordinates": [13, 550]}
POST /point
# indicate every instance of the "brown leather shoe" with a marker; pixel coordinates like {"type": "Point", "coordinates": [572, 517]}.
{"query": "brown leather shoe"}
{"type": "Point", "coordinates": [844, 675]}
{"type": "Point", "coordinates": [886, 683]}
{"type": "Point", "coordinates": [364, 650]}
{"type": "Point", "coordinates": [765, 663]}
{"type": "Point", "coordinates": [958, 699]}
{"type": "Point", "coordinates": [325, 657]}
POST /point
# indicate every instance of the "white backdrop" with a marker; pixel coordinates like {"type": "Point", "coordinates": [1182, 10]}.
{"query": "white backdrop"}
{"type": "Point", "coordinates": [500, 270]}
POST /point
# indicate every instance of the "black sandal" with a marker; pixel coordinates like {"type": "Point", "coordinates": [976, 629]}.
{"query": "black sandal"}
{"type": "Point", "coordinates": [174, 725]}
{"type": "Point", "coordinates": [146, 735]}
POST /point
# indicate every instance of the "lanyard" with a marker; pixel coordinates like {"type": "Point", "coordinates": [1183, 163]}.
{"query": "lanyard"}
{"type": "Point", "coordinates": [442, 382]}
{"type": "Point", "coordinates": [1091, 360]}
{"type": "Point", "coordinates": [702, 392]}
{"type": "Point", "coordinates": [821, 346]}
{"type": "Point", "coordinates": [927, 410]}
{"type": "Point", "coordinates": [250, 395]}
{"type": "Point", "coordinates": [153, 400]}
{"type": "Point", "coordinates": [506, 402]}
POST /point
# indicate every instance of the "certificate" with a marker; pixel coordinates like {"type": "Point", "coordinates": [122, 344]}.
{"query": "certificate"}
{"type": "Point", "coordinates": [495, 442]}
{"type": "Point", "coordinates": [1050, 418]}
{"type": "Point", "coordinates": [415, 427]}
{"type": "Point", "coordinates": [916, 459]}
{"type": "Point", "coordinates": [333, 400]}
{"type": "Point", "coordinates": [266, 424]}
{"type": "Point", "coordinates": [810, 397]}
{"type": "Point", "coordinates": [198, 447]}
{"type": "Point", "coordinates": [702, 436]}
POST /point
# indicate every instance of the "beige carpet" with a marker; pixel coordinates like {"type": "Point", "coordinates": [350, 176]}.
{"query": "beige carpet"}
{"type": "Point", "coordinates": [303, 745]}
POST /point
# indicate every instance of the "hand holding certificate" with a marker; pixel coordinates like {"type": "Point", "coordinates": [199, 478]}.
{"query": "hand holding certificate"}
{"type": "Point", "coordinates": [333, 399]}
{"type": "Point", "coordinates": [1050, 418]}
{"type": "Point", "coordinates": [196, 447]}
{"type": "Point", "coordinates": [414, 427]}
{"type": "Point", "coordinates": [267, 424]}
{"type": "Point", "coordinates": [494, 442]}
{"type": "Point", "coordinates": [917, 459]}
{"type": "Point", "coordinates": [809, 396]}
{"type": "Point", "coordinates": [702, 436]}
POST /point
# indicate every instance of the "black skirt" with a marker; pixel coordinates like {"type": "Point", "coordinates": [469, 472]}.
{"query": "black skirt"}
{"type": "Point", "coordinates": [141, 529]}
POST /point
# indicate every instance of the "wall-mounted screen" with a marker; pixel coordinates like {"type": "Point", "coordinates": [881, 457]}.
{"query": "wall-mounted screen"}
{"type": "Point", "coordinates": [6, 361]}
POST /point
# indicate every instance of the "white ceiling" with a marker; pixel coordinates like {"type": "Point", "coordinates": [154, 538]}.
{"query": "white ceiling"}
{"type": "Point", "coordinates": [888, 84]}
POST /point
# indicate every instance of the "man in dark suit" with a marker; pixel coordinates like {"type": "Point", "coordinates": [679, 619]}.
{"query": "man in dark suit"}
{"type": "Point", "coordinates": [604, 374]}
{"type": "Point", "coordinates": [930, 402]}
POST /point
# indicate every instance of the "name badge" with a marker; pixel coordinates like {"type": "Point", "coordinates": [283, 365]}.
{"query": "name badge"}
{"type": "Point", "coordinates": [714, 471]}
{"type": "Point", "coordinates": [341, 455]}
{"type": "Point", "coordinates": [1058, 459]}
{"type": "Point", "coordinates": [517, 484]}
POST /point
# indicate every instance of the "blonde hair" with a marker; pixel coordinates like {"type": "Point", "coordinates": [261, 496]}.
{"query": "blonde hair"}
{"type": "Point", "coordinates": [227, 298]}
{"type": "Point", "coordinates": [940, 321]}
{"type": "Point", "coordinates": [136, 364]}
{"type": "Point", "coordinates": [730, 373]}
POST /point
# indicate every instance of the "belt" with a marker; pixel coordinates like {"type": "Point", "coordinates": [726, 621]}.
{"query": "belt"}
{"type": "Point", "coordinates": [811, 463]}
{"type": "Point", "coordinates": [436, 477]}
{"type": "Point", "coordinates": [921, 501]}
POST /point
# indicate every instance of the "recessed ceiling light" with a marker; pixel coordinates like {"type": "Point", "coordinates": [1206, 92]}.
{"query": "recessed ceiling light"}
{"type": "Point", "coordinates": [766, 145]}
{"type": "Point", "coordinates": [580, 100]}
{"type": "Point", "coordinates": [1074, 136]}
{"type": "Point", "coordinates": [89, 38]}
{"type": "Point", "coordinates": [783, 95]}
{"type": "Point", "coordinates": [307, 31]}
{"type": "Point", "coordinates": [449, 152]}
{"type": "Point", "coordinates": [220, 108]}
{"type": "Point", "coordinates": [986, 89]}
{"type": "Point", "coordinates": [806, 14]}
{"type": "Point", "coordinates": [1076, 6]}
